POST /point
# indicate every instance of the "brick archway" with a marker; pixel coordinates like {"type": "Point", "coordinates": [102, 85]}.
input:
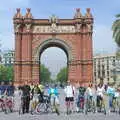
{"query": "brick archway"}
{"type": "Point", "coordinates": [74, 36]}
{"type": "Point", "coordinates": [53, 42]}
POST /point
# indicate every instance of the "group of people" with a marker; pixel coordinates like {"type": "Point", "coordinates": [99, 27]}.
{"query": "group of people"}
{"type": "Point", "coordinates": [25, 95]}
{"type": "Point", "coordinates": [100, 93]}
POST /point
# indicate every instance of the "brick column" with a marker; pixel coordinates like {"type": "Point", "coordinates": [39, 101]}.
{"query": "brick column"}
{"type": "Point", "coordinates": [72, 76]}
{"type": "Point", "coordinates": [35, 72]}
{"type": "Point", "coordinates": [17, 65]}
{"type": "Point", "coordinates": [17, 20]}
{"type": "Point", "coordinates": [27, 57]}
{"type": "Point", "coordinates": [27, 48]}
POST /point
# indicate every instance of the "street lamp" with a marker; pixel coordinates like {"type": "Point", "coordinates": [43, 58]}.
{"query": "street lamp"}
{"type": "Point", "coordinates": [114, 71]}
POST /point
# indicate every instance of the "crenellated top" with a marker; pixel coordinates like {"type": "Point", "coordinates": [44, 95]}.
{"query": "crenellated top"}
{"type": "Point", "coordinates": [80, 19]}
{"type": "Point", "coordinates": [88, 14]}
{"type": "Point", "coordinates": [18, 14]}
{"type": "Point", "coordinates": [28, 14]}
{"type": "Point", "coordinates": [78, 14]}
{"type": "Point", "coordinates": [80, 23]}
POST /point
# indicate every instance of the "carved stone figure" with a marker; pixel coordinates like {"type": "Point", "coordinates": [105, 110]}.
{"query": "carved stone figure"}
{"type": "Point", "coordinates": [28, 26]}
{"type": "Point", "coordinates": [16, 27]}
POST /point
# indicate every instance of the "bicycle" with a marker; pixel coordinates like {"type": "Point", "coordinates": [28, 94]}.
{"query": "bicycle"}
{"type": "Point", "coordinates": [90, 105]}
{"type": "Point", "coordinates": [43, 106]}
{"type": "Point", "coordinates": [34, 102]}
{"type": "Point", "coordinates": [101, 104]}
{"type": "Point", "coordinates": [80, 103]}
{"type": "Point", "coordinates": [2, 105]}
{"type": "Point", "coordinates": [116, 105]}
{"type": "Point", "coordinates": [7, 104]}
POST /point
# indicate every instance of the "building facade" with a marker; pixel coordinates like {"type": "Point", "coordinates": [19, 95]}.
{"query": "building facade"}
{"type": "Point", "coordinates": [107, 67]}
{"type": "Point", "coordinates": [7, 57]}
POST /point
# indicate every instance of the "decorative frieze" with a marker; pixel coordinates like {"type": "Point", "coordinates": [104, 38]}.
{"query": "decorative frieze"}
{"type": "Point", "coordinates": [54, 28]}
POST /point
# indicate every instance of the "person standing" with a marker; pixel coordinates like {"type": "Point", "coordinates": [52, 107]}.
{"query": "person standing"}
{"type": "Point", "coordinates": [17, 98]}
{"type": "Point", "coordinates": [69, 99]}
{"type": "Point", "coordinates": [111, 94]}
{"type": "Point", "coordinates": [11, 89]}
{"type": "Point", "coordinates": [26, 98]}
{"type": "Point", "coordinates": [54, 98]}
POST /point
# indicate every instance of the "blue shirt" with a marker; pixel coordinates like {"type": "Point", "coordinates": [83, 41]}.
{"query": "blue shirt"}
{"type": "Point", "coordinates": [53, 91]}
{"type": "Point", "coordinates": [111, 91]}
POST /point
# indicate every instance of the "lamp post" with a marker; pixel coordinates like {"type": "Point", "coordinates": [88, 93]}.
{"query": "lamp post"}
{"type": "Point", "coordinates": [114, 71]}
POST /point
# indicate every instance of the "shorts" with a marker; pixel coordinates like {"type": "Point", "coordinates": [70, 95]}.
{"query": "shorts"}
{"type": "Point", "coordinates": [71, 99]}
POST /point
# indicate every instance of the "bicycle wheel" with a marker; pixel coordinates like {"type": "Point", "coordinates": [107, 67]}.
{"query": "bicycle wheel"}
{"type": "Point", "coordinates": [86, 107]}
{"type": "Point", "coordinates": [68, 107]}
{"type": "Point", "coordinates": [119, 110]}
{"type": "Point", "coordinates": [10, 105]}
{"type": "Point", "coordinates": [118, 106]}
{"type": "Point", "coordinates": [57, 109]}
{"type": "Point", "coordinates": [104, 107]}
{"type": "Point", "coordinates": [93, 106]}
{"type": "Point", "coordinates": [20, 107]}
{"type": "Point", "coordinates": [40, 108]}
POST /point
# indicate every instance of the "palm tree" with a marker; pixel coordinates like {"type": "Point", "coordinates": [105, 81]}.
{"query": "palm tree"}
{"type": "Point", "coordinates": [116, 30]}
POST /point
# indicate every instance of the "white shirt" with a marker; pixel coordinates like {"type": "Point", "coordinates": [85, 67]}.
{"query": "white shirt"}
{"type": "Point", "coordinates": [100, 91]}
{"type": "Point", "coordinates": [117, 94]}
{"type": "Point", "coordinates": [90, 91]}
{"type": "Point", "coordinates": [69, 91]}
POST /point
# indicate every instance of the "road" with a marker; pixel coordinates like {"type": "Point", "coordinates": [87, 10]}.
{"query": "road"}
{"type": "Point", "coordinates": [62, 116]}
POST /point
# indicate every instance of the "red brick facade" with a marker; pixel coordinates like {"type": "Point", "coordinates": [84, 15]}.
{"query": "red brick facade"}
{"type": "Point", "coordinates": [33, 36]}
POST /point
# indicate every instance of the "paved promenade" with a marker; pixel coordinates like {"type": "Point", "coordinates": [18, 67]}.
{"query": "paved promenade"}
{"type": "Point", "coordinates": [62, 116]}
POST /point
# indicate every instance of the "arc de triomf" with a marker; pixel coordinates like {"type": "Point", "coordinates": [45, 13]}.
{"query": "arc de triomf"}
{"type": "Point", "coordinates": [33, 36]}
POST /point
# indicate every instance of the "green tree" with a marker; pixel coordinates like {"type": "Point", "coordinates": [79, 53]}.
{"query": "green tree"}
{"type": "Point", "coordinates": [62, 75]}
{"type": "Point", "coordinates": [44, 75]}
{"type": "Point", "coordinates": [10, 73]}
{"type": "Point", "coordinates": [6, 73]}
{"type": "Point", "coordinates": [116, 30]}
{"type": "Point", "coordinates": [2, 73]}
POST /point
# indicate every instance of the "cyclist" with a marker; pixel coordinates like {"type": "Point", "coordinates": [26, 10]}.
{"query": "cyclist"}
{"type": "Point", "coordinates": [89, 91]}
{"type": "Point", "coordinates": [36, 96]}
{"type": "Point", "coordinates": [90, 97]}
{"type": "Point", "coordinates": [100, 94]}
{"type": "Point", "coordinates": [41, 87]}
{"type": "Point", "coordinates": [53, 94]}
{"type": "Point", "coordinates": [80, 99]}
{"type": "Point", "coordinates": [69, 91]}
{"type": "Point", "coordinates": [111, 94]}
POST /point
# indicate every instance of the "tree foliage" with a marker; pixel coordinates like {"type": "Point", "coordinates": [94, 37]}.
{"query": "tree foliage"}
{"type": "Point", "coordinates": [116, 30]}
{"type": "Point", "coordinates": [45, 74]}
{"type": "Point", "coordinates": [62, 75]}
{"type": "Point", "coordinates": [6, 73]}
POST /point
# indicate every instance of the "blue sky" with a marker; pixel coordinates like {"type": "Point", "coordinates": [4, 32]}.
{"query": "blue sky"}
{"type": "Point", "coordinates": [103, 11]}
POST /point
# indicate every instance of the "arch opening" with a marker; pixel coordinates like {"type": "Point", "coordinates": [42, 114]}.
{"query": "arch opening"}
{"type": "Point", "coordinates": [53, 65]}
